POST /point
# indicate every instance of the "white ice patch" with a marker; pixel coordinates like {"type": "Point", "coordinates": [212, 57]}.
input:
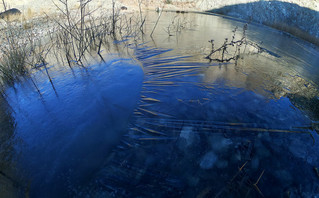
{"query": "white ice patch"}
{"type": "Point", "coordinates": [187, 134]}
{"type": "Point", "coordinates": [208, 160]}
{"type": "Point", "coordinates": [220, 143]}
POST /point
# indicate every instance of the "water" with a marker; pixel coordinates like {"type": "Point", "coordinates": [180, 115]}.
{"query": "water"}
{"type": "Point", "coordinates": [165, 122]}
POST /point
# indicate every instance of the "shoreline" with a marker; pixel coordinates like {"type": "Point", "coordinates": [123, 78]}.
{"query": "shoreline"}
{"type": "Point", "coordinates": [297, 18]}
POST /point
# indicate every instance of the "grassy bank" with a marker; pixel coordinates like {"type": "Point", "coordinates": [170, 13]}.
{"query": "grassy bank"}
{"type": "Point", "coordinates": [67, 37]}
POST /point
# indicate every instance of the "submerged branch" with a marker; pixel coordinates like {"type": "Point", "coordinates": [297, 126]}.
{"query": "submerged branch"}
{"type": "Point", "coordinates": [237, 44]}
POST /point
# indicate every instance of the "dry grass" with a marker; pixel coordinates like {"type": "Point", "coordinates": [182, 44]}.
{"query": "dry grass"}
{"type": "Point", "coordinates": [75, 34]}
{"type": "Point", "coordinates": [14, 55]}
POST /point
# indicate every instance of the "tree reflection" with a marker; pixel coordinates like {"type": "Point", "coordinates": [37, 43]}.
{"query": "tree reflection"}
{"type": "Point", "coordinates": [9, 182]}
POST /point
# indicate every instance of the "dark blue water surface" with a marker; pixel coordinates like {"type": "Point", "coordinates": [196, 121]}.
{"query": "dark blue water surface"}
{"type": "Point", "coordinates": [168, 123]}
{"type": "Point", "coordinates": [65, 132]}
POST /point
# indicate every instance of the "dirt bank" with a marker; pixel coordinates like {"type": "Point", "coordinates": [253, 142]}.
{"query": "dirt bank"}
{"type": "Point", "coordinates": [299, 18]}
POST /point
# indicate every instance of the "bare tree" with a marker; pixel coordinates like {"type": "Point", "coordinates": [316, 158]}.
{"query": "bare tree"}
{"type": "Point", "coordinates": [4, 5]}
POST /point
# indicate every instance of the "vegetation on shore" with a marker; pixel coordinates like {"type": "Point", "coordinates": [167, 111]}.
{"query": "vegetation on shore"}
{"type": "Point", "coordinates": [69, 37]}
